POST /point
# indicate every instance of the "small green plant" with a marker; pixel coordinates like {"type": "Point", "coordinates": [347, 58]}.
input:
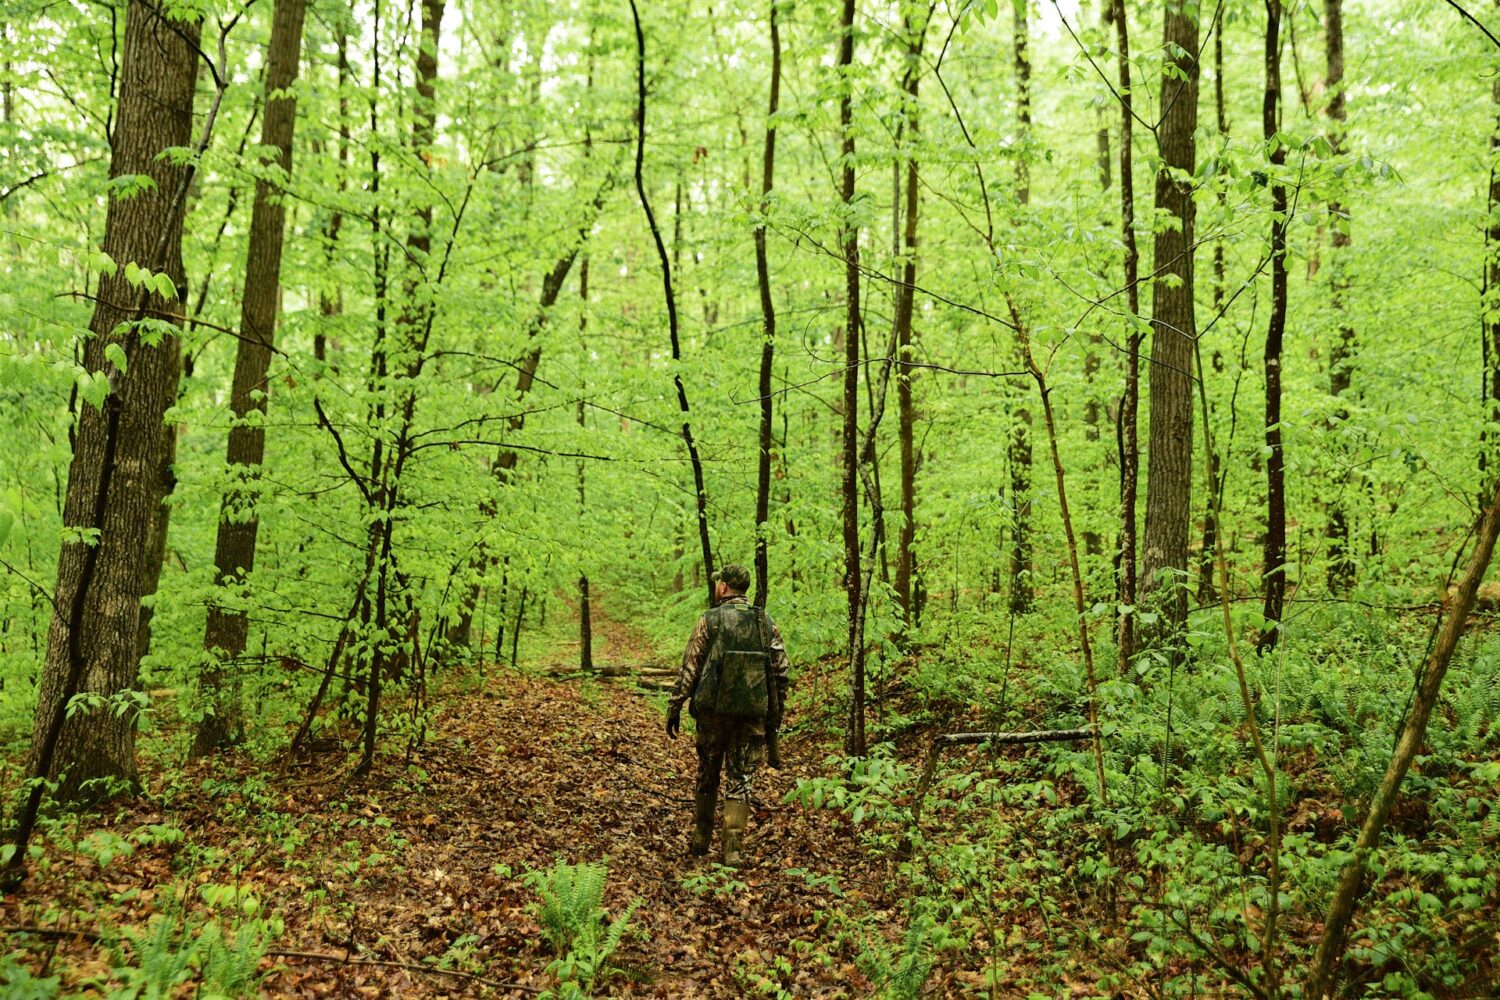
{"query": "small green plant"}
{"type": "Point", "coordinates": [163, 960]}
{"type": "Point", "coordinates": [17, 982]}
{"type": "Point", "coordinates": [720, 880]}
{"type": "Point", "coordinates": [572, 914]}
{"type": "Point", "coordinates": [221, 953]}
{"type": "Point", "coordinates": [900, 973]}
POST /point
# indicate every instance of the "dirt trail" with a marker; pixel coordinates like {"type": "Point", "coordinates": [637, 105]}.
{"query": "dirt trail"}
{"type": "Point", "coordinates": [582, 772]}
{"type": "Point", "coordinates": [520, 772]}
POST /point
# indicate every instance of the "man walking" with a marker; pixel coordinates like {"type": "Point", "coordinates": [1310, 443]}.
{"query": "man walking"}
{"type": "Point", "coordinates": [734, 673]}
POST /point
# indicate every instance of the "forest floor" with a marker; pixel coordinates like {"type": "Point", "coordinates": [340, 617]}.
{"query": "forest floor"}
{"type": "Point", "coordinates": [425, 867]}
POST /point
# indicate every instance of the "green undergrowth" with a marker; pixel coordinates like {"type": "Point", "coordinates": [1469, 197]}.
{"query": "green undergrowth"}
{"type": "Point", "coordinates": [210, 938]}
{"type": "Point", "coordinates": [1032, 884]}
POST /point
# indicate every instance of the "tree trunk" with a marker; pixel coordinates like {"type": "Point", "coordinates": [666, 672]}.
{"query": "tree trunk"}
{"type": "Point", "coordinates": [115, 489]}
{"type": "Point", "coordinates": [854, 740]}
{"type": "Point", "coordinates": [331, 301]}
{"type": "Point", "coordinates": [1093, 403]}
{"type": "Point", "coordinates": [412, 329]}
{"type": "Point", "coordinates": [768, 327]}
{"type": "Point", "coordinates": [1489, 311]}
{"type": "Point", "coordinates": [1273, 562]}
{"type": "Point", "coordinates": [1206, 592]}
{"type": "Point", "coordinates": [585, 606]}
{"type": "Point", "coordinates": [1130, 403]}
{"type": "Point", "coordinates": [156, 547]}
{"type": "Point", "coordinates": [1341, 562]}
{"type": "Point", "coordinates": [700, 492]}
{"type": "Point", "coordinates": [1173, 333]}
{"type": "Point", "coordinates": [905, 298]}
{"type": "Point", "coordinates": [1019, 448]}
{"type": "Point", "coordinates": [234, 551]}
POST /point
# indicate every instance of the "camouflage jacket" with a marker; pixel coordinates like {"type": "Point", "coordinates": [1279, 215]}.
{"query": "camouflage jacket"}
{"type": "Point", "coordinates": [697, 653]}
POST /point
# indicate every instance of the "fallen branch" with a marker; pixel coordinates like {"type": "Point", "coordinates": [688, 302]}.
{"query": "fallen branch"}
{"type": "Point", "coordinates": [1012, 739]}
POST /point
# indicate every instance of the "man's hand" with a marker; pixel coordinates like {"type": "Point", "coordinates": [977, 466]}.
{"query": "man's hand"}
{"type": "Point", "coordinates": [674, 722]}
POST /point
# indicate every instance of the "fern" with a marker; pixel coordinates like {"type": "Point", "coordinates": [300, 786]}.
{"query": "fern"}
{"type": "Point", "coordinates": [164, 961]}
{"type": "Point", "coordinates": [572, 902]}
{"type": "Point", "coordinates": [571, 912]}
{"type": "Point", "coordinates": [231, 965]}
{"type": "Point", "coordinates": [1475, 707]}
{"type": "Point", "coordinates": [901, 973]}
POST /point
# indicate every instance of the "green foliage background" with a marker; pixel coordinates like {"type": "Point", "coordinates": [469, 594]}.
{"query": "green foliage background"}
{"type": "Point", "coordinates": [535, 105]}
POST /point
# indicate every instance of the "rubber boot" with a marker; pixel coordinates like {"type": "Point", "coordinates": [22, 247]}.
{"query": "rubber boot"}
{"type": "Point", "coordinates": [732, 837]}
{"type": "Point", "coordinates": [703, 823]}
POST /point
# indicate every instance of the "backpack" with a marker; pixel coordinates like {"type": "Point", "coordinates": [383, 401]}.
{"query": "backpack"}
{"type": "Point", "coordinates": [733, 681]}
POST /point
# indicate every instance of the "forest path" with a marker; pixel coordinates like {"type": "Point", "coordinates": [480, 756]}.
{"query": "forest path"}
{"type": "Point", "coordinates": [527, 770]}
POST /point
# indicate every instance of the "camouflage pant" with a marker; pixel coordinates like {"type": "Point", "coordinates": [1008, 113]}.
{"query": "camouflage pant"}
{"type": "Point", "coordinates": [734, 748]}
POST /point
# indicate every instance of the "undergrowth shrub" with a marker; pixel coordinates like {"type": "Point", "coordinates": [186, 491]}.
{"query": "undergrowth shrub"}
{"type": "Point", "coordinates": [571, 911]}
{"type": "Point", "coordinates": [219, 953]}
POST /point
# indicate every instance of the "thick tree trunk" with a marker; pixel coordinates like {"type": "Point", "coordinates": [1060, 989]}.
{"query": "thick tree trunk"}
{"type": "Point", "coordinates": [1130, 403]}
{"type": "Point", "coordinates": [854, 740]}
{"type": "Point", "coordinates": [905, 298]}
{"type": "Point", "coordinates": [234, 551]}
{"type": "Point", "coordinates": [1274, 551]}
{"type": "Point", "coordinates": [115, 488]}
{"type": "Point", "coordinates": [768, 327]}
{"type": "Point", "coordinates": [1173, 332]}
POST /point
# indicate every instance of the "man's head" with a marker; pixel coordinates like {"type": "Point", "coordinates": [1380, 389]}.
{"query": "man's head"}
{"type": "Point", "coordinates": [731, 580]}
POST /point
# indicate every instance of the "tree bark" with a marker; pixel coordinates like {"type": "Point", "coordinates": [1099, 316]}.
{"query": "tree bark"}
{"type": "Point", "coordinates": [1173, 333]}
{"type": "Point", "coordinates": [585, 601]}
{"type": "Point", "coordinates": [1019, 448]}
{"type": "Point", "coordinates": [1273, 559]}
{"type": "Point", "coordinates": [234, 551]}
{"type": "Point", "coordinates": [905, 299]}
{"type": "Point", "coordinates": [1206, 592]}
{"type": "Point", "coordinates": [1489, 304]}
{"type": "Point", "coordinates": [1341, 562]}
{"type": "Point", "coordinates": [768, 326]}
{"type": "Point", "coordinates": [1130, 403]}
{"type": "Point", "coordinates": [114, 487]}
{"type": "Point", "coordinates": [854, 740]}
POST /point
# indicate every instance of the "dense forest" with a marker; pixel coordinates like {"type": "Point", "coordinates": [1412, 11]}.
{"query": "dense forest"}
{"type": "Point", "coordinates": [1103, 395]}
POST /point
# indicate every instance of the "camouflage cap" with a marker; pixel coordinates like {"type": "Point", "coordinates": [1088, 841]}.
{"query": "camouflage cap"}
{"type": "Point", "coordinates": [734, 576]}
